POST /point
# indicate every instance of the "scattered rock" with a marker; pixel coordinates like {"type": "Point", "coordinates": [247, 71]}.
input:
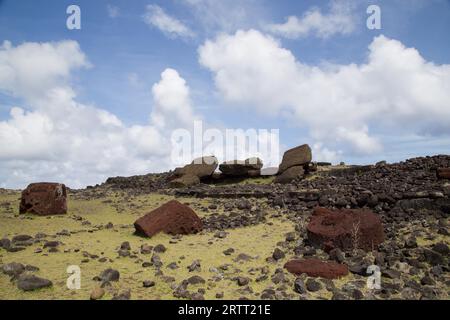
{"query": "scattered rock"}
{"type": "Point", "coordinates": [13, 269]}
{"type": "Point", "coordinates": [148, 284]}
{"type": "Point", "coordinates": [28, 282]}
{"type": "Point", "coordinates": [97, 293]}
{"type": "Point", "coordinates": [313, 285]}
{"type": "Point", "coordinates": [109, 275]}
{"type": "Point", "coordinates": [278, 254]}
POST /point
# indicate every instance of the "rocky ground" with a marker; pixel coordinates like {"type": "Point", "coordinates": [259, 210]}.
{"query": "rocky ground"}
{"type": "Point", "coordinates": [252, 227]}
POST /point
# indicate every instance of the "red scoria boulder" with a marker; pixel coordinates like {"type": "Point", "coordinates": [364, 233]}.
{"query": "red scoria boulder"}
{"type": "Point", "coordinates": [443, 173]}
{"type": "Point", "coordinates": [345, 229]}
{"type": "Point", "coordinates": [317, 268]}
{"type": "Point", "coordinates": [172, 218]}
{"type": "Point", "coordinates": [44, 199]}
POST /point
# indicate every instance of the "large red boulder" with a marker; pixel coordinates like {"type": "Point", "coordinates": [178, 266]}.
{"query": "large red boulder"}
{"type": "Point", "coordinates": [443, 173]}
{"type": "Point", "coordinates": [44, 199]}
{"type": "Point", "coordinates": [345, 229]}
{"type": "Point", "coordinates": [317, 268]}
{"type": "Point", "coordinates": [172, 218]}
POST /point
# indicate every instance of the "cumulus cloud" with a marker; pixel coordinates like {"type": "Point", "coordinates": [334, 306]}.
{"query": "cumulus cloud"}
{"type": "Point", "coordinates": [340, 19]}
{"type": "Point", "coordinates": [343, 106]}
{"type": "Point", "coordinates": [57, 138]}
{"type": "Point", "coordinates": [156, 16]}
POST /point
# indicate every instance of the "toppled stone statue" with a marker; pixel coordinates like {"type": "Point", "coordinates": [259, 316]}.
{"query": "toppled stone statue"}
{"type": "Point", "coordinates": [44, 199]}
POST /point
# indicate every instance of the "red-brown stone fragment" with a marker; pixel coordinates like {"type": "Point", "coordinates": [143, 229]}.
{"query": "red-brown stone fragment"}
{"type": "Point", "coordinates": [172, 218]}
{"type": "Point", "coordinates": [317, 268]}
{"type": "Point", "coordinates": [345, 229]}
{"type": "Point", "coordinates": [44, 199]}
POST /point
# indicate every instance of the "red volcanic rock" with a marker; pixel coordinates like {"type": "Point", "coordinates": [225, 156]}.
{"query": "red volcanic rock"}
{"type": "Point", "coordinates": [345, 229]}
{"type": "Point", "coordinates": [317, 268]}
{"type": "Point", "coordinates": [44, 199]}
{"type": "Point", "coordinates": [172, 218]}
{"type": "Point", "coordinates": [443, 173]}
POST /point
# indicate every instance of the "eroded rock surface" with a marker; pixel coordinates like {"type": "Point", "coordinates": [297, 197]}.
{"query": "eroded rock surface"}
{"type": "Point", "coordinates": [44, 199]}
{"type": "Point", "coordinates": [172, 218]}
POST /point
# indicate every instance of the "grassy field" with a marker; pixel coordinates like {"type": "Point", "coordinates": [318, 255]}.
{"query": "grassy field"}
{"type": "Point", "coordinates": [89, 237]}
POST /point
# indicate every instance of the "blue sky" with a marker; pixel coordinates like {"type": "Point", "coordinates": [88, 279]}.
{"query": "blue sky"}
{"type": "Point", "coordinates": [122, 55]}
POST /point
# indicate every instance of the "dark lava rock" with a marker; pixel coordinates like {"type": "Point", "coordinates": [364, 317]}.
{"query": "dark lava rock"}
{"type": "Point", "coordinates": [242, 281]}
{"type": "Point", "coordinates": [195, 280]}
{"type": "Point", "coordinates": [278, 254]}
{"type": "Point", "coordinates": [31, 282]}
{"type": "Point", "coordinates": [109, 275]}
{"type": "Point", "coordinates": [5, 243]}
{"type": "Point", "coordinates": [299, 286]}
{"type": "Point", "coordinates": [159, 248]}
{"type": "Point", "coordinates": [172, 218]}
{"type": "Point", "coordinates": [148, 284]}
{"type": "Point", "coordinates": [340, 229]}
{"type": "Point", "coordinates": [433, 257]}
{"type": "Point", "coordinates": [13, 269]}
{"type": "Point", "coordinates": [44, 199]}
{"type": "Point", "coordinates": [441, 248]}
{"type": "Point", "coordinates": [313, 285]}
{"type": "Point", "coordinates": [317, 268]}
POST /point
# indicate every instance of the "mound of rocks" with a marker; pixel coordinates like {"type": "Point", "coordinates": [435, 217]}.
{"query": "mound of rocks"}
{"type": "Point", "coordinates": [346, 229]}
{"type": "Point", "coordinates": [317, 268]}
{"type": "Point", "coordinates": [295, 162]}
{"type": "Point", "coordinates": [192, 173]}
{"type": "Point", "coordinates": [172, 218]}
{"type": "Point", "coordinates": [238, 168]}
{"type": "Point", "coordinates": [44, 199]}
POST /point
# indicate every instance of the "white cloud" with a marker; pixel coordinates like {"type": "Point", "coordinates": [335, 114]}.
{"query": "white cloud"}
{"type": "Point", "coordinates": [225, 16]}
{"type": "Point", "coordinates": [156, 16]}
{"type": "Point", "coordinates": [32, 68]}
{"type": "Point", "coordinates": [172, 105]}
{"type": "Point", "coordinates": [341, 19]}
{"type": "Point", "coordinates": [395, 91]}
{"type": "Point", "coordinates": [113, 11]}
{"type": "Point", "coordinates": [60, 139]}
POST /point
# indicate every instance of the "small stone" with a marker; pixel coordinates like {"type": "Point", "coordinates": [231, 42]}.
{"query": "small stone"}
{"type": "Point", "coordinates": [242, 281]}
{"type": "Point", "coordinates": [146, 249]}
{"type": "Point", "coordinates": [13, 269]}
{"type": "Point", "coordinates": [125, 246]}
{"type": "Point", "coordinates": [195, 280]}
{"type": "Point", "coordinates": [31, 282]}
{"type": "Point", "coordinates": [148, 284]}
{"type": "Point", "coordinates": [313, 285]}
{"type": "Point", "coordinates": [160, 248]}
{"type": "Point", "coordinates": [195, 266]}
{"type": "Point", "coordinates": [299, 286]}
{"type": "Point", "coordinates": [228, 252]}
{"type": "Point", "coordinates": [97, 293]}
{"type": "Point", "coordinates": [278, 254]}
{"type": "Point", "coordinates": [109, 275]}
